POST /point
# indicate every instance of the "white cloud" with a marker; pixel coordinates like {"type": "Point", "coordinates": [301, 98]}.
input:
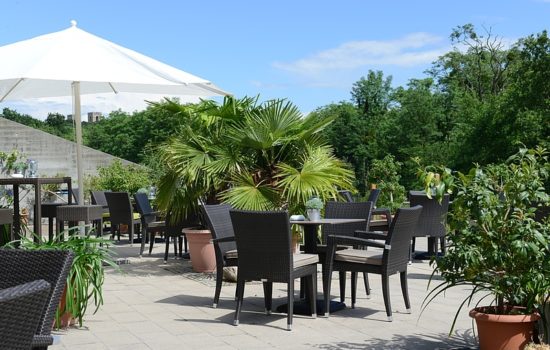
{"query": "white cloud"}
{"type": "Point", "coordinates": [104, 103]}
{"type": "Point", "coordinates": [411, 50]}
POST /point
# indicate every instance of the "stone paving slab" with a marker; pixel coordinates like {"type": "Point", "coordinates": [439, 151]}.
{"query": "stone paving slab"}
{"type": "Point", "coordinates": [151, 305]}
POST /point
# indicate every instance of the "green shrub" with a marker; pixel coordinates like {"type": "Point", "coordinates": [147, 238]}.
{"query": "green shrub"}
{"type": "Point", "coordinates": [120, 178]}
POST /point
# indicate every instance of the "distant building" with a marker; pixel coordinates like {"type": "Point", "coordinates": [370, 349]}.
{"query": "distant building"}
{"type": "Point", "coordinates": [70, 117]}
{"type": "Point", "coordinates": [94, 117]}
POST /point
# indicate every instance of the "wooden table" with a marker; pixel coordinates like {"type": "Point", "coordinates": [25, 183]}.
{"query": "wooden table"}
{"type": "Point", "coordinates": [37, 182]}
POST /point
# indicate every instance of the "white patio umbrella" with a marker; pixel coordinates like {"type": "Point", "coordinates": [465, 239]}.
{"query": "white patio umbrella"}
{"type": "Point", "coordinates": [72, 62]}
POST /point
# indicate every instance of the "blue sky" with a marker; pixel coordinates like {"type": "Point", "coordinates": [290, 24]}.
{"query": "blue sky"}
{"type": "Point", "coordinates": [310, 52]}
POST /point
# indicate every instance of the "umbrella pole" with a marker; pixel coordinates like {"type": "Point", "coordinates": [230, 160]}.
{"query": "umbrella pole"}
{"type": "Point", "coordinates": [78, 129]}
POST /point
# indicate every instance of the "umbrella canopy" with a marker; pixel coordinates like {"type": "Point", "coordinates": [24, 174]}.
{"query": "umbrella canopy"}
{"type": "Point", "coordinates": [72, 62]}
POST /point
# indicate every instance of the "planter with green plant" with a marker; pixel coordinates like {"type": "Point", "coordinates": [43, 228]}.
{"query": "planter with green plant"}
{"type": "Point", "coordinates": [313, 208]}
{"type": "Point", "coordinates": [498, 248]}
{"type": "Point", "coordinates": [86, 276]}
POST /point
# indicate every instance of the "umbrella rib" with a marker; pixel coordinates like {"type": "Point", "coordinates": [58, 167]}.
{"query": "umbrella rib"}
{"type": "Point", "coordinates": [12, 88]}
{"type": "Point", "coordinates": [113, 88]}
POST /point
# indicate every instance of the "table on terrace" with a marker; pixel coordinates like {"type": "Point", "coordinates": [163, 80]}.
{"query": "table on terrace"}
{"type": "Point", "coordinates": [37, 182]}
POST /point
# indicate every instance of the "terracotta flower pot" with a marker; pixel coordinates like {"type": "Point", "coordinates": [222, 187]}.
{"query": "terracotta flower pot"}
{"type": "Point", "coordinates": [503, 332]}
{"type": "Point", "coordinates": [201, 250]}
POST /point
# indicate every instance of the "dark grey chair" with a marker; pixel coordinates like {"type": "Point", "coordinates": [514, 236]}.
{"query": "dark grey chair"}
{"type": "Point", "coordinates": [432, 221]}
{"type": "Point", "coordinates": [121, 213]}
{"type": "Point", "coordinates": [21, 308]}
{"type": "Point", "coordinates": [393, 259]}
{"type": "Point", "coordinates": [23, 266]}
{"type": "Point", "coordinates": [6, 226]}
{"type": "Point", "coordinates": [99, 198]}
{"type": "Point", "coordinates": [150, 226]}
{"type": "Point", "coordinates": [346, 195]}
{"type": "Point", "coordinates": [345, 210]}
{"type": "Point", "coordinates": [218, 222]}
{"type": "Point", "coordinates": [265, 254]}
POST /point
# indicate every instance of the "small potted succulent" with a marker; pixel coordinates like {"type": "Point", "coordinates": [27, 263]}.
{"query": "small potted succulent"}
{"type": "Point", "coordinates": [313, 208]}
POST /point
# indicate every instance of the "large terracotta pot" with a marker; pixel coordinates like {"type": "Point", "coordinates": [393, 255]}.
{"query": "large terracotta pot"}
{"type": "Point", "coordinates": [201, 249]}
{"type": "Point", "coordinates": [503, 332]}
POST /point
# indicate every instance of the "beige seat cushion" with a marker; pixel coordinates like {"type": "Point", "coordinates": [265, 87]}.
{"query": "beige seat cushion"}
{"type": "Point", "coordinates": [305, 259]}
{"type": "Point", "coordinates": [157, 224]}
{"type": "Point", "coordinates": [359, 256]}
{"type": "Point", "coordinates": [231, 254]}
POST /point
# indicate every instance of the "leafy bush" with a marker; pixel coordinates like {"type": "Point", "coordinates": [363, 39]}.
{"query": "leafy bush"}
{"type": "Point", "coordinates": [121, 178]}
{"type": "Point", "coordinates": [385, 174]}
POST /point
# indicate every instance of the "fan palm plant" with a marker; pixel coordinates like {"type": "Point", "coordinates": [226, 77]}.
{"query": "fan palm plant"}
{"type": "Point", "coordinates": [253, 156]}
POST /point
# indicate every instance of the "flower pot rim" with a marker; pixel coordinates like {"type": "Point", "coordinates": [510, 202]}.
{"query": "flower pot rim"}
{"type": "Point", "coordinates": [480, 314]}
{"type": "Point", "coordinates": [196, 230]}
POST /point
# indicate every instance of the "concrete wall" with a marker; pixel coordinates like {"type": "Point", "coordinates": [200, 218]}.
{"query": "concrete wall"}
{"type": "Point", "coordinates": [54, 154]}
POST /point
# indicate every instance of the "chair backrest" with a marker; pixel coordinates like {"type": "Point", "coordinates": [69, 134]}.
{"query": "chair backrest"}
{"type": "Point", "coordinates": [21, 309]}
{"type": "Point", "coordinates": [346, 210]}
{"type": "Point", "coordinates": [434, 215]}
{"type": "Point", "coordinates": [98, 197]}
{"type": "Point", "coordinates": [263, 240]}
{"type": "Point", "coordinates": [218, 221]}
{"type": "Point", "coordinates": [6, 216]}
{"type": "Point", "coordinates": [75, 191]}
{"type": "Point", "coordinates": [6, 226]}
{"type": "Point", "coordinates": [399, 238]}
{"type": "Point", "coordinates": [21, 266]}
{"type": "Point", "coordinates": [144, 208]}
{"type": "Point", "coordinates": [373, 196]}
{"type": "Point", "coordinates": [346, 195]}
{"type": "Point", "coordinates": [120, 208]}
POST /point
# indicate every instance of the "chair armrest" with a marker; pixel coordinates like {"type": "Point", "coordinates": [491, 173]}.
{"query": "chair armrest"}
{"type": "Point", "coordinates": [347, 240]}
{"type": "Point", "coordinates": [371, 235]}
{"type": "Point", "coordinates": [223, 239]}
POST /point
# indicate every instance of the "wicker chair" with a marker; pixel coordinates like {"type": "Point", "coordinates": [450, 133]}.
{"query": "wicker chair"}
{"type": "Point", "coordinates": [121, 213]}
{"type": "Point", "coordinates": [6, 218]}
{"type": "Point", "coordinates": [345, 210]}
{"type": "Point", "coordinates": [393, 259]}
{"type": "Point", "coordinates": [23, 266]}
{"type": "Point", "coordinates": [150, 226]}
{"type": "Point", "coordinates": [99, 198]}
{"type": "Point", "coordinates": [432, 221]}
{"type": "Point", "coordinates": [264, 243]}
{"type": "Point", "coordinates": [218, 222]}
{"type": "Point", "coordinates": [21, 308]}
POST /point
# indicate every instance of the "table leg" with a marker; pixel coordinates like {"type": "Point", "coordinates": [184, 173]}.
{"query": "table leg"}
{"type": "Point", "coordinates": [16, 214]}
{"type": "Point", "coordinates": [37, 214]}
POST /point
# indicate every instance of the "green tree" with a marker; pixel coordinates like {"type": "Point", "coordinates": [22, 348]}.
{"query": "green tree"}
{"type": "Point", "coordinates": [372, 95]}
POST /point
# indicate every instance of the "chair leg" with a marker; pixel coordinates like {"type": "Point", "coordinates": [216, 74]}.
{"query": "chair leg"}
{"type": "Point", "coordinates": [313, 295]}
{"type": "Point", "coordinates": [142, 248]}
{"type": "Point", "coordinates": [342, 278]}
{"type": "Point", "coordinates": [367, 284]}
{"type": "Point", "coordinates": [219, 280]}
{"type": "Point", "coordinates": [175, 239]}
{"type": "Point", "coordinates": [290, 300]}
{"type": "Point", "coordinates": [443, 242]}
{"type": "Point", "coordinates": [405, 290]}
{"type": "Point", "coordinates": [151, 241]}
{"type": "Point", "coordinates": [268, 297]}
{"type": "Point", "coordinates": [353, 289]}
{"type": "Point", "coordinates": [240, 294]}
{"type": "Point", "coordinates": [327, 281]}
{"type": "Point", "coordinates": [386, 295]}
{"type": "Point", "coordinates": [166, 250]}
{"type": "Point", "coordinates": [180, 246]}
{"type": "Point", "coordinates": [131, 234]}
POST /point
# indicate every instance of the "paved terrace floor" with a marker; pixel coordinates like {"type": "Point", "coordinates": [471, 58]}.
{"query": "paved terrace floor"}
{"type": "Point", "coordinates": [151, 305]}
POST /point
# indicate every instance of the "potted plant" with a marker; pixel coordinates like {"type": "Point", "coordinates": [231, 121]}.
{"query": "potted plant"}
{"type": "Point", "coordinates": [86, 276]}
{"type": "Point", "coordinates": [437, 180]}
{"type": "Point", "coordinates": [499, 249]}
{"type": "Point", "coordinates": [313, 208]}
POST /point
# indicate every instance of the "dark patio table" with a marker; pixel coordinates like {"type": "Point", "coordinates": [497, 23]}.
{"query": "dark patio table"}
{"type": "Point", "coordinates": [37, 182]}
{"type": "Point", "coordinates": [310, 247]}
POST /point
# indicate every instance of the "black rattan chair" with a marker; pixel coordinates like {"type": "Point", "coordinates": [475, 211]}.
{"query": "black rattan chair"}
{"type": "Point", "coordinates": [432, 221]}
{"type": "Point", "coordinates": [393, 259]}
{"type": "Point", "coordinates": [23, 266]}
{"type": "Point", "coordinates": [121, 213]}
{"type": "Point", "coordinates": [99, 198]}
{"type": "Point", "coordinates": [345, 210]}
{"type": "Point", "coordinates": [265, 254]}
{"type": "Point", "coordinates": [6, 226]}
{"type": "Point", "coordinates": [218, 222]}
{"type": "Point", "coordinates": [21, 308]}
